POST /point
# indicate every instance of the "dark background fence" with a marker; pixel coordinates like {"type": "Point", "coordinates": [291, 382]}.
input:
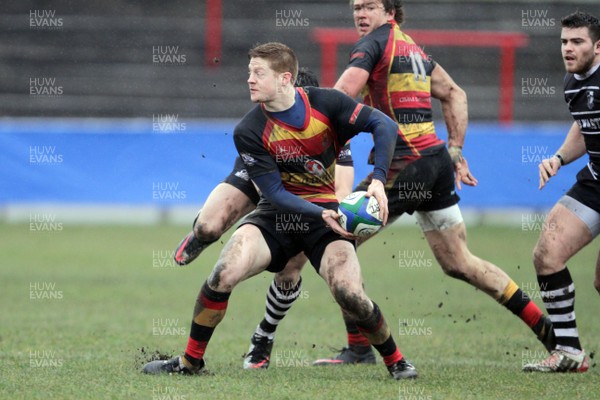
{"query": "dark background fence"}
{"type": "Point", "coordinates": [109, 58]}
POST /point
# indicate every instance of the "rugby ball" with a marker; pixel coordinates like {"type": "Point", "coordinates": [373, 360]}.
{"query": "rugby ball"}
{"type": "Point", "coordinates": [359, 214]}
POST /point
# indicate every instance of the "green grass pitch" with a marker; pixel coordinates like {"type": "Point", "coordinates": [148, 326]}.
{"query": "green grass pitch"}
{"type": "Point", "coordinates": [84, 306]}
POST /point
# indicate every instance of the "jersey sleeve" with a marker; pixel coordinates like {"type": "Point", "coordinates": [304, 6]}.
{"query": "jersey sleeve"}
{"type": "Point", "coordinates": [254, 155]}
{"type": "Point", "coordinates": [365, 54]}
{"type": "Point", "coordinates": [350, 117]}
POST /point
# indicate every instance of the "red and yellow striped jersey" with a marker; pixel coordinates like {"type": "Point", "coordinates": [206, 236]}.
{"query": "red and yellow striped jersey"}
{"type": "Point", "coordinates": [399, 85]}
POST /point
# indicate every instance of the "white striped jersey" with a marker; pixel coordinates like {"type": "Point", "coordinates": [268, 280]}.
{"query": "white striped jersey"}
{"type": "Point", "coordinates": [582, 94]}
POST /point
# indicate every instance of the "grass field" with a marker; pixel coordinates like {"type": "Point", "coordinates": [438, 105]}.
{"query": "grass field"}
{"type": "Point", "coordinates": [85, 306]}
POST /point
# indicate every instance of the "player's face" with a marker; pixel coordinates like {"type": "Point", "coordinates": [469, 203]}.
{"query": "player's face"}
{"type": "Point", "coordinates": [262, 81]}
{"type": "Point", "coordinates": [578, 51]}
{"type": "Point", "coordinates": [369, 15]}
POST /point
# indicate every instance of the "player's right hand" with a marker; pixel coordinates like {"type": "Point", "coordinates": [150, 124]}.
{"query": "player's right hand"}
{"type": "Point", "coordinates": [548, 168]}
{"type": "Point", "coordinates": [377, 189]}
{"type": "Point", "coordinates": [462, 174]}
{"type": "Point", "coordinates": [331, 219]}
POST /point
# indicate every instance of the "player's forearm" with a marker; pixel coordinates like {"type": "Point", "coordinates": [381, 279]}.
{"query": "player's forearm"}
{"type": "Point", "coordinates": [352, 81]}
{"type": "Point", "coordinates": [456, 116]}
{"type": "Point", "coordinates": [385, 133]}
{"type": "Point", "coordinates": [344, 181]}
{"type": "Point", "coordinates": [272, 189]}
{"type": "Point", "coordinates": [573, 147]}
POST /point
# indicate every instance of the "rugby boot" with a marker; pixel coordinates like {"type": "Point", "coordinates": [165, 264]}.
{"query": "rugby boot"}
{"type": "Point", "coordinates": [259, 353]}
{"type": "Point", "coordinates": [173, 366]}
{"type": "Point", "coordinates": [561, 361]}
{"type": "Point", "coordinates": [349, 356]}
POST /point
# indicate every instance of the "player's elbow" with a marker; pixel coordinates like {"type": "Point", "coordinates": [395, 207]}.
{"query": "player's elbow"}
{"type": "Point", "coordinates": [457, 95]}
{"type": "Point", "coordinates": [385, 123]}
{"type": "Point", "coordinates": [451, 95]}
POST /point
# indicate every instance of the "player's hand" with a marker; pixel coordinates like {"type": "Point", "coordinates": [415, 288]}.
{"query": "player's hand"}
{"type": "Point", "coordinates": [548, 168]}
{"type": "Point", "coordinates": [461, 168]}
{"type": "Point", "coordinates": [462, 174]}
{"type": "Point", "coordinates": [331, 219]}
{"type": "Point", "coordinates": [377, 190]}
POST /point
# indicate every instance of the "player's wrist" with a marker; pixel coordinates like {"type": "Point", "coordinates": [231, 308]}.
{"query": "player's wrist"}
{"type": "Point", "coordinates": [560, 159]}
{"type": "Point", "coordinates": [327, 213]}
{"type": "Point", "coordinates": [455, 154]}
{"type": "Point", "coordinates": [379, 175]}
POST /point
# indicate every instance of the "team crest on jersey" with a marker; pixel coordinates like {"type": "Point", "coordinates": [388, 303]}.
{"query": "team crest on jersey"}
{"type": "Point", "coordinates": [248, 159]}
{"type": "Point", "coordinates": [314, 167]}
{"type": "Point", "coordinates": [345, 153]}
{"type": "Point", "coordinates": [242, 174]}
{"type": "Point", "coordinates": [590, 99]}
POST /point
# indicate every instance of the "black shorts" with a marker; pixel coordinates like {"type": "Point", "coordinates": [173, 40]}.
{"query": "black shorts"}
{"type": "Point", "coordinates": [587, 188]}
{"type": "Point", "coordinates": [239, 178]}
{"type": "Point", "coordinates": [424, 184]}
{"type": "Point", "coordinates": [288, 234]}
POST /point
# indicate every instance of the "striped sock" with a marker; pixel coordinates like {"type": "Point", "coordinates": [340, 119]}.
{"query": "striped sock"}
{"type": "Point", "coordinates": [558, 294]}
{"type": "Point", "coordinates": [376, 330]}
{"type": "Point", "coordinates": [279, 301]}
{"type": "Point", "coordinates": [209, 311]}
{"type": "Point", "coordinates": [356, 341]}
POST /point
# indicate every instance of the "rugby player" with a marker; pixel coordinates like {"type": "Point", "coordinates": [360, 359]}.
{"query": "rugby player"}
{"type": "Point", "coordinates": [574, 221]}
{"type": "Point", "coordinates": [227, 203]}
{"type": "Point", "coordinates": [314, 123]}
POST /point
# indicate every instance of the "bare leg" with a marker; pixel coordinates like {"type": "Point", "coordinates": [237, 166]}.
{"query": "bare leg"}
{"type": "Point", "coordinates": [225, 205]}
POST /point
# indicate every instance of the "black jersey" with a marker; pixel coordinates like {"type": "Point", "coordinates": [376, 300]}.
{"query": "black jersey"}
{"type": "Point", "coordinates": [582, 94]}
{"type": "Point", "coordinates": [305, 157]}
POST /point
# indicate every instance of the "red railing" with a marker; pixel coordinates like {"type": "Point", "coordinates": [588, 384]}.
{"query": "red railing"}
{"type": "Point", "coordinates": [330, 38]}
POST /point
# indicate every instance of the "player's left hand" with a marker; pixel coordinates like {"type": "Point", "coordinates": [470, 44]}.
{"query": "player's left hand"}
{"type": "Point", "coordinates": [377, 190]}
{"type": "Point", "coordinates": [462, 174]}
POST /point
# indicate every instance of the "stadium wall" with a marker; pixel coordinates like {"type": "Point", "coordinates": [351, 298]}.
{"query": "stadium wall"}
{"type": "Point", "coordinates": [143, 170]}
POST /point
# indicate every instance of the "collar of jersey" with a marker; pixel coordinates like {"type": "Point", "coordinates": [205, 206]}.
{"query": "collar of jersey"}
{"type": "Point", "coordinates": [304, 98]}
{"type": "Point", "coordinates": [586, 74]}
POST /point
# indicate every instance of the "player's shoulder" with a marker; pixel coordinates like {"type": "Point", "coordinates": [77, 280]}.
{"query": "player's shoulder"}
{"type": "Point", "coordinates": [568, 78]}
{"type": "Point", "coordinates": [377, 38]}
{"type": "Point", "coordinates": [249, 122]}
{"type": "Point", "coordinates": [320, 98]}
{"type": "Point", "coordinates": [370, 48]}
{"type": "Point", "coordinates": [315, 92]}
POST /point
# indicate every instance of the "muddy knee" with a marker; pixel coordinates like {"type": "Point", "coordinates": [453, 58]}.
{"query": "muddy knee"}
{"type": "Point", "coordinates": [353, 302]}
{"type": "Point", "coordinates": [229, 268]}
{"type": "Point", "coordinates": [455, 272]}
{"type": "Point", "coordinates": [207, 233]}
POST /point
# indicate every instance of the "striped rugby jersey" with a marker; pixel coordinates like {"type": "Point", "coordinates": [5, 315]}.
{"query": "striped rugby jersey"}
{"type": "Point", "coordinates": [305, 157]}
{"type": "Point", "coordinates": [582, 94]}
{"type": "Point", "coordinates": [399, 85]}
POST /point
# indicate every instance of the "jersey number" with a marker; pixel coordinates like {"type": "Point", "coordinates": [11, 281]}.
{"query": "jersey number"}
{"type": "Point", "coordinates": [418, 67]}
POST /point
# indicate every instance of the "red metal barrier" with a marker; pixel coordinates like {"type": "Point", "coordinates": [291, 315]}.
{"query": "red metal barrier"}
{"type": "Point", "coordinates": [330, 38]}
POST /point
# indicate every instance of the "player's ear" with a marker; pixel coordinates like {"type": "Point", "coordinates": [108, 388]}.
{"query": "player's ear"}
{"type": "Point", "coordinates": [286, 79]}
